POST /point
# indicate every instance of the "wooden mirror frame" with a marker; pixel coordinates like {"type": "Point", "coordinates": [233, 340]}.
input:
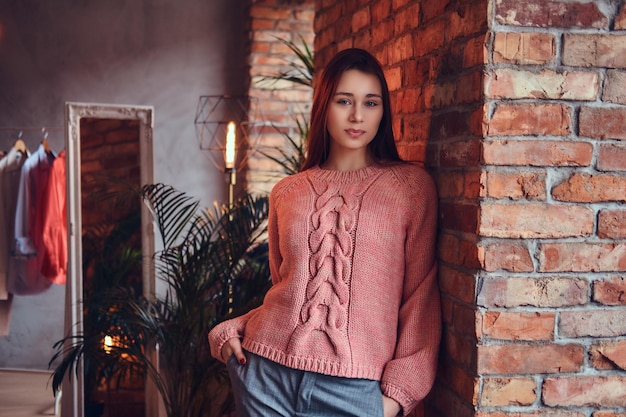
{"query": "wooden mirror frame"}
{"type": "Point", "coordinates": [73, 393]}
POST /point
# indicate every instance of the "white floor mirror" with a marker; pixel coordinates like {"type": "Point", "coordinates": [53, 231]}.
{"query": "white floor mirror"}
{"type": "Point", "coordinates": [103, 141]}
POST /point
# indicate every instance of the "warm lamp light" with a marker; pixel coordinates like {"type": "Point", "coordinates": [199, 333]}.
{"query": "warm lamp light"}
{"type": "Point", "coordinates": [108, 344]}
{"type": "Point", "coordinates": [229, 155]}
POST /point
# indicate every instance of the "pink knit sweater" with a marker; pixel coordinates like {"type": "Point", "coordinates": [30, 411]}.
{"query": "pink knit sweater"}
{"type": "Point", "coordinates": [352, 257]}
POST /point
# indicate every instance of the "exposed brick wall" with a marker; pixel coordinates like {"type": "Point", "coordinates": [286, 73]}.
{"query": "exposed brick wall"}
{"type": "Point", "coordinates": [109, 159]}
{"type": "Point", "coordinates": [553, 254]}
{"type": "Point", "coordinates": [518, 107]}
{"type": "Point", "coordinates": [280, 102]}
{"type": "Point", "coordinates": [433, 54]}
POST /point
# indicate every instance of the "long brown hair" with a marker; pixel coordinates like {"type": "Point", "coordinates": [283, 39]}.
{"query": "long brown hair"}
{"type": "Point", "coordinates": [383, 147]}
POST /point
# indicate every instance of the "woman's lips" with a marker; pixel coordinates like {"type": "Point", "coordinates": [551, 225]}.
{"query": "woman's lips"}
{"type": "Point", "coordinates": [355, 133]}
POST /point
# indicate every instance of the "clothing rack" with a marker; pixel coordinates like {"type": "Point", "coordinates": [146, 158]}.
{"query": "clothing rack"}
{"type": "Point", "coordinates": [21, 129]}
{"type": "Point", "coordinates": [20, 133]}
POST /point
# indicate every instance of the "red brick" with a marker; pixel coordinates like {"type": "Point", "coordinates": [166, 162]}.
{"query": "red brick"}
{"type": "Point", "coordinates": [270, 12]}
{"type": "Point", "coordinates": [615, 87]}
{"type": "Point", "coordinates": [498, 392]}
{"type": "Point", "coordinates": [469, 88]}
{"type": "Point", "coordinates": [412, 151]}
{"type": "Point", "coordinates": [451, 184]}
{"type": "Point", "coordinates": [397, 4]}
{"type": "Point", "coordinates": [360, 19]}
{"type": "Point", "coordinates": [432, 9]}
{"type": "Point", "coordinates": [592, 323]}
{"type": "Point", "coordinates": [612, 157]}
{"type": "Point", "coordinates": [457, 284]}
{"type": "Point", "coordinates": [469, 255]}
{"type": "Point", "coordinates": [469, 19]}
{"type": "Point", "coordinates": [415, 127]}
{"type": "Point", "coordinates": [550, 14]}
{"type": "Point", "coordinates": [451, 404]}
{"type": "Point", "coordinates": [530, 119]}
{"type": "Point", "coordinates": [447, 307]}
{"type": "Point", "coordinates": [382, 31]}
{"type": "Point", "coordinates": [394, 78]}
{"type": "Point", "coordinates": [462, 382]}
{"type": "Point", "coordinates": [608, 413]}
{"type": "Point", "coordinates": [406, 19]}
{"type": "Point", "coordinates": [608, 355]}
{"type": "Point", "coordinates": [428, 38]}
{"type": "Point", "coordinates": [439, 95]}
{"type": "Point", "coordinates": [547, 84]}
{"type": "Point", "coordinates": [612, 224]}
{"type": "Point", "coordinates": [464, 153]}
{"type": "Point", "coordinates": [473, 185]}
{"type": "Point", "coordinates": [582, 257]}
{"type": "Point", "coordinates": [507, 255]}
{"type": "Point", "coordinates": [537, 153]}
{"type": "Point", "coordinates": [464, 319]}
{"type": "Point", "coordinates": [380, 11]}
{"type": "Point", "coordinates": [548, 292]}
{"type": "Point", "coordinates": [543, 412]}
{"type": "Point", "coordinates": [459, 347]}
{"type": "Point", "coordinates": [401, 49]}
{"type": "Point", "coordinates": [528, 48]}
{"type": "Point", "coordinates": [459, 216]}
{"type": "Point", "coordinates": [620, 19]}
{"type": "Point", "coordinates": [591, 50]}
{"type": "Point", "coordinates": [518, 326]}
{"type": "Point", "coordinates": [585, 391]}
{"type": "Point", "coordinates": [526, 358]}
{"type": "Point", "coordinates": [535, 220]}
{"type": "Point", "coordinates": [587, 188]}
{"type": "Point", "coordinates": [450, 124]}
{"type": "Point", "coordinates": [475, 52]}
{"type": "Point", "coordinates": [610, 291]}
{"type": "Point", "coordinates": [526, 185]}
{"type": "Point", "coordinates": [362, 39]}
{"type": "Point", "coordinates": [602, 123]}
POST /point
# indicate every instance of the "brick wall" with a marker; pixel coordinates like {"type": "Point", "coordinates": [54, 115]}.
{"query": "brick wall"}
{"type": "Point", "coordinates": [518, 108]}
{"type": "Point", "coordinates": [551, 309]}
{"type": "Point", "coordinates": [433, 54]}
{"type": "Point", "coordinates": [281, 103]}
{"type": "Point", "coordinates": [109, 159]}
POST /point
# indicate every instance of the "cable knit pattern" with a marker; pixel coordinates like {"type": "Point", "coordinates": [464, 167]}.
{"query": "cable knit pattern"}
{"type": "Point", "coordinates": [354, 294]}
{"type": "Point", "coordinates": [330, 264]}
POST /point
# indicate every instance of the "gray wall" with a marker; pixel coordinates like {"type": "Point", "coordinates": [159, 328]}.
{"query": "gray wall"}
{"type": "Point", "coordinates": [164, 53]}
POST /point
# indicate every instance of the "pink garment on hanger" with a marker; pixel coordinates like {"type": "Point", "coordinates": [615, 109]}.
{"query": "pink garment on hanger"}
{"type": "Point", "coordinates": [54, 235]}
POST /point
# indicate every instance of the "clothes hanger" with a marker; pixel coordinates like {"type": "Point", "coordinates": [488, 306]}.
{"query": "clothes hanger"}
{"type": "Point", "coordinates": [19, 144]}
{"type": "Point", "coordinates": [44, 141]}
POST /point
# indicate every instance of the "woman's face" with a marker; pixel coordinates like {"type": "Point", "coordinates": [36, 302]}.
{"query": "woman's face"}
{"type": "Point", "coordinates": [354, 114]}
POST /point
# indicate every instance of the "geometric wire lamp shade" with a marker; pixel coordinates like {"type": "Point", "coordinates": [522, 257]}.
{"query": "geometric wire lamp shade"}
{"type": "Point", "coordinates": [215, 113]}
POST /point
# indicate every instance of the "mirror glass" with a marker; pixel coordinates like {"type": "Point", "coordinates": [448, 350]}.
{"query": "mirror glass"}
{"type": "Point", "coordinates": [109, 149]}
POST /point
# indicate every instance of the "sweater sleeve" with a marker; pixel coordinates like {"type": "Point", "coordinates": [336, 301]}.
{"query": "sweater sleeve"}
{"type": "Point", "coordinates": [409, 376]}
{"type": "Point", "coordinates": [227, 330]}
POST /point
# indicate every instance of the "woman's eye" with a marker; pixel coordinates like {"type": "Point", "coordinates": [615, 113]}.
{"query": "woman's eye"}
{"type": "Point", "coordinates": [371, 104]}
{"type": "Point", "coordinates": [343, 101]}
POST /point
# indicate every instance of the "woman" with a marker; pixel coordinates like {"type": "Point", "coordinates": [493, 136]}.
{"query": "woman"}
{"type": "Point", "coordinates": [351, 325]}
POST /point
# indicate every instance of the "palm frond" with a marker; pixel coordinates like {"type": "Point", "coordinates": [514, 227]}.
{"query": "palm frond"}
{"type": "Point", "coordinates": [171, 209]}
{"type": "Point", "coordinates": [300, 72]}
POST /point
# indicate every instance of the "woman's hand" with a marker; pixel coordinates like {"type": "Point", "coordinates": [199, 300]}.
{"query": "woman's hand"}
{"type": "Point", "coordinates": [233, 347]}
{"type": "Point", "coordinates": [391, 407]}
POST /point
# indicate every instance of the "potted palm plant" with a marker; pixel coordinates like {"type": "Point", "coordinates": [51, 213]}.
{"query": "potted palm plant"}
{"type": "Point", "coordinates": [206, 253]}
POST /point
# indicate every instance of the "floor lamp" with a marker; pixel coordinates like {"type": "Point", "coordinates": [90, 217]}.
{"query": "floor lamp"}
{"type": "Point", "coordinates": [227, 128]}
